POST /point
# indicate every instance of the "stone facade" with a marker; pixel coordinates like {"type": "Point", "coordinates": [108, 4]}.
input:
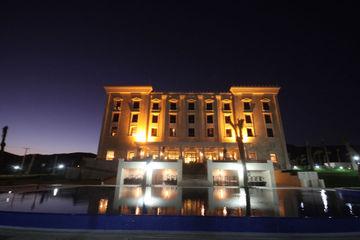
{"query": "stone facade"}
{"type": "Point", "coordinates": [141, 123]}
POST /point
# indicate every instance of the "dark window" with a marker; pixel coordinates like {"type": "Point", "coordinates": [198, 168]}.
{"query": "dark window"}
{"type": "Point", "coordinates": [155, 106]}
{"type": "Point", "coordinates": [154, 132]}
{"type": "Point", "coordinates": [117, 105]}
{"type": "Point", "coordinates": [172, 118]}
{"type": "Point", "coordinates": [134, 118]}
{"type": "Point", "coordinates": [227, 106]}
{"type": "Point", "coordinates": [250, 132]}
{"type": "Point", "coordinates": [155, 118]}
{"type": "Point", "coordinates": [267, 118]}
{"type": "Point", "coordinates": [228, 132]}
{"type": "Point", "coordinates": [210, 118]}
{"type": "Point", "coordinates": [191, 118]}
{"type": "Point", "coordinates": [210, 132]}
{"type": "Point", "coordinates": [115, 117]}
{"type": "Point", "coordinates": [172, 132]}
{"type": "Point", "coordinates": [172, 106]}
{"type": "Point", "coordinates": [248, 119]}
{"type": "Point", "coordinates": [191, 132]}
{"type": "Point", "coordinates": [191, 106]}
{"type": "Point", "coordinates": [269, 132]}
{"type": "Point", "coordinates": [209, 106]}
{"type": "Point", "coordinates": [227, 119]}
{"type": "Point", "coordinates": [113, 131]}
{"type": "Point", "coordinates": [136, 105]}
{"type": "Point", "coordinates": [247, 106]}
{"type": "Point", "coordinates": [266, 106]}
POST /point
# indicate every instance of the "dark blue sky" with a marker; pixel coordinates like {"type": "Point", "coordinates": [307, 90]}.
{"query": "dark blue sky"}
{"type": "Point", "coordinates": [55, 57]}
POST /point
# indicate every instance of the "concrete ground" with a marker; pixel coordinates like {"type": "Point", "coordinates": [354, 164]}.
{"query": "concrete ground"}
{"type": "Point", "coordinates": [32, 234]}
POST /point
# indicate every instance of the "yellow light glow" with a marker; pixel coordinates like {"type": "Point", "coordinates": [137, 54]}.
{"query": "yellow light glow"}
{"type": "Point", "coordinates": [103, 203]}
{"type": "Point", "coordinates": [140, 136]}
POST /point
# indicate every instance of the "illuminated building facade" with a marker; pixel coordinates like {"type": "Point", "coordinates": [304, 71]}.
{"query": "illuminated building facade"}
{"type": "Point", "coordinates": [141, 123]}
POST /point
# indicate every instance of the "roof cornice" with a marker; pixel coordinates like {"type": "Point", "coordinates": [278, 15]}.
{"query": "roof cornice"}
{"type": "Point", "coordinates": [129, 89]}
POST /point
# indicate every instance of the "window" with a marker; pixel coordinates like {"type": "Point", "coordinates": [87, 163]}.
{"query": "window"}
{"type": "Point", "coordinates": [155, 106]}
{"type": "Point", "coordinates": [228, 132]}
{"type": "Point", "coordinates": [110, 155]}
{"type": "Point", "coordinates": [191, 118]}
{"type": "Point", "coordinates": [266, 106]}
{"type": "Point", "coordinates": [135, 118]}
{"type": "Point", "coordinates": [191, 106]}
{"type": "Point", "coordinates": [117, 105]}
{"type": "Point", "coordinates": [172, 118]}
{"type": "Point", "coordinates": [172, 132]}
{"type": "Point", "coordinates": [154, 118]}
{"type": "Point", "coordinates": [273, 157]}
{"type": "Point", "coordinates": [172, 105]}
{"type": "Point", "coordinates": [210, 118]}
{"type": "Point", "coordinates": [209, 106]}
{"type": "Point", "coordinates": [269, 132]}
{"type": "Point", "coordinates": [267, 118]}
{"type": "Point", "coordinates": [154, 132]}
{"type": "Point", "coordinates": [136, 104]}
{"type": "Point", "coordinates": [227, 119]}
{"type": "Point", "coordinates": [252, 155]}
{"type": "Point", "coordinates": [250, 132]}
{"type": "Point", "coordinates": [210, 132]}
{"type": "Point", "coordinates": [248, 119]}
{"type": "Point", "coordinates": [191, 132]}
{"type": "Point", "coordinates": [130, 155]}
{"type": "Point", "coordinates": [133, 130]}
{"type": "Point", "coordinates": [113, 131]}
{"type": "Point", "coordinates": [115, 117]}
{"type": "Point", "coordinates": [227, 106]}
{"type": "Point", "coordinates": [247, 106]}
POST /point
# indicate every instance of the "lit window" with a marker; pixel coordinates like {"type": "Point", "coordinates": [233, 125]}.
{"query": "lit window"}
{"type": "Point", "coordinates": [172, 118]}
{"type": "Point", "coordinates": [209, 106]}
{"type": "Point", "coordinates": [191, 118]}
{"type": "Point", "coordinates": [227, 119]}
{"type": "Point", "coordinates": [117, 105]}
{"type": "Point", "coordinates": [155, 118]}
{"type": "Point", "coordinates": [269, 132]}
{"type": "Point", "coordinates": [154, 132]}
{"type": "Point", "coordinates": [266, 106]}
{"type": "Point", "coordinates": [228, 132]}
{"type": "Point", "coordinates": [191, 106]}
{"type": "Point", "coordinates": [191, 132]}
{"type": "Point", "coordinates": [155, 106]}
{"type": "Point", "coordinates": [227, 107]}
{"type": "Point", "coordinates": [103, 204]}
{"type": "Point", "coordinates": [267, 118]}
{"type": "Point", "coordinates": [250, 132]}
{"type": "Point", "coordinates": [210, 132]}
{"type": "Point", "coordinates": [248, 118]}
{"type": "Point", "coordinates": [210, 118]}
{"type": "Point", "coordinates": [136, 104]}
{"type": "Point", "coordinates": [130, 155]}
{"type": "Point", "coordinates": [172, 105]}
{"type": "Point", "coordinates": [172, 132]}
{"type": "Point", "coordinates": [252, 155]}
{"type": "Point", "coordinates": [115, 117]}
{"type": "Point", "coordinates": [273, 157]}
{"type": "Point", "coordinates": [247, 106]}
{"type": "Point", "coordinates": [113, 131]}
{"type": "Point", "coordinates": [110, 155]}
{"type": "Point", "coordinates": [133, 130]}
{"type": "Point", "coordinates": [134, 118]}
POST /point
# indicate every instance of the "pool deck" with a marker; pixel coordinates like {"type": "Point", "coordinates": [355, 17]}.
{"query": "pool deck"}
{"type": "Point", "coordinates": [44, 234]}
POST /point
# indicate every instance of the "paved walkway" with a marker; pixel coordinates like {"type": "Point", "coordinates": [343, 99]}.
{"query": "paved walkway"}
{"type": "Point", "coordinates": [36, 234]}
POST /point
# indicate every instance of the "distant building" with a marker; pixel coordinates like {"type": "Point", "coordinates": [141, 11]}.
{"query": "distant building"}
{"type": "Point", "coordinates": [141, 123]}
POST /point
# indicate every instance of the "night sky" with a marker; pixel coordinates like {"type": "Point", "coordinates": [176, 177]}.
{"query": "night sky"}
{"type": "Point", "coordinates": [56, 56]}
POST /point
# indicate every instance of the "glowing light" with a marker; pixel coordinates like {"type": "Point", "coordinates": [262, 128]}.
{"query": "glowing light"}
{"type": "Point", "coordinates": [9, 192]}
{"type": "Point", "coordinates": [142, 154]}
{"type": "Point", "coordinates": [356, 158]}
{"type": "Point", "coordinates": [221, 154]}
{"type": "Point", "coordinates": [140, 136]}
{"type": "Point", "coordinates": [224, 211]}
{"type": "Point", "coordinates": [61, 166]}
{"type": "Point", "coordinates": [16, 167]}
{"type": "Point", "coordinates": [202, 210]}
{"type": "Point", "coordinates": [295, 167]}
{"type": "Point", "coordinates": [137, 211]}
{"type": "Point", "coordinates": [324, 199]}
{"type": "Point", "coordinates": [341, 167]}
{"type": "Point", "coordinates": [350, 208]}
{"type": "Point", "coordinates": [103, 204]}
{"type": "Point", "coordinates": [317, 166]}
{"type": "Point", "coordinates": [55, 191]}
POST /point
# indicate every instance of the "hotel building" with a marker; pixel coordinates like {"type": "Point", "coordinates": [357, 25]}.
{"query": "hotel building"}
{"type": "Point", "coordinates": [140, 123]}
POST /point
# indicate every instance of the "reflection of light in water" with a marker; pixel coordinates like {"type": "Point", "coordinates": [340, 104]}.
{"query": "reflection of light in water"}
{"type": "Point", "coordinates": [302, 205]}
{"type": "Point", "coordinates": [324, 199]}
{"type": "Point", "coordinates": [224, 211]}
{"type": "Point", "coordinates": [137, 211]}
{"type": "Point", "coordinates": [202, 210]}
{"type": "Point", "coordinates": [350, 208]}
{"type": "Point", "coordinates": [55, 192]}
{"type": "Point", "coordinates": [103, 204]}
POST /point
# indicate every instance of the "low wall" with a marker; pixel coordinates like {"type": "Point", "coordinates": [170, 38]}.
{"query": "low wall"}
{"type": "Point", "coordinates": [179, 223]}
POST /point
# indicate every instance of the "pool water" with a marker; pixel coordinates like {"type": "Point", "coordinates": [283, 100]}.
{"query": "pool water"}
{"type": "Point", "coordinates": [215, 201]}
